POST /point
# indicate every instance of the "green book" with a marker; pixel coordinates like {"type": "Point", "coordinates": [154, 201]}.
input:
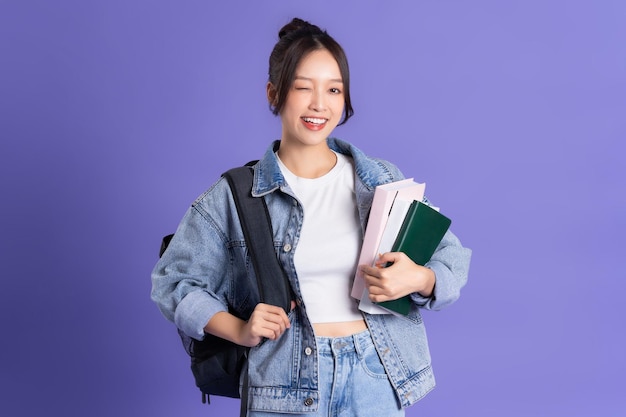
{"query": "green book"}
{"type": "Point", "coordinates": [418, 237]}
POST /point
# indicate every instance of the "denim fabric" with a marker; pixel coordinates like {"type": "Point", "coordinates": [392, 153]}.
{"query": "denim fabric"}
{"type": "Point", "coordinates": [206, 269]}
{"type": "Point", "coordinates": [352, 380]}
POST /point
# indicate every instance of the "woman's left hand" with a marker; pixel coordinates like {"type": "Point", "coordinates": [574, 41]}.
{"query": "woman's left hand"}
{"type": "Point", "coordinates": [400, 278]}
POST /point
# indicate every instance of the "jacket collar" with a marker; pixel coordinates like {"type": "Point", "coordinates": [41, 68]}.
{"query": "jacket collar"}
{"type": "Point", "coordinates": [268, 177]}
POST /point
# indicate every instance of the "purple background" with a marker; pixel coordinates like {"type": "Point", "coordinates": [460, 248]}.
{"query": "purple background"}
{"type": "Point", "coordinates": [115, 115]}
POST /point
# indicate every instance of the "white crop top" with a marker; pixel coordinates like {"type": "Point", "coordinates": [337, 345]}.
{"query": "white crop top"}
{"type": "Point", "coordinates": [330, 240]}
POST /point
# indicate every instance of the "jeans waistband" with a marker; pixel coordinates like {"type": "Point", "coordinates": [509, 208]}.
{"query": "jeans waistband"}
{"type": "Point", "coordinates": [358, 342]}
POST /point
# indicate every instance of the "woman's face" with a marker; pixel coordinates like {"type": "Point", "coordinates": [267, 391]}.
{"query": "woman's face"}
{"type": "Point", "coordinates": [315, 101]}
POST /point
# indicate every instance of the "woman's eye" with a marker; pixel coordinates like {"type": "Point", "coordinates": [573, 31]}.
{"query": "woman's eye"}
{"type": "Point", "coordinates": [335, 91]}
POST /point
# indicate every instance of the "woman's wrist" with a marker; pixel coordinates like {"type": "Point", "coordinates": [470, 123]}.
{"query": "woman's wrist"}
{"type": "Point", "coordinates": [428, 283]}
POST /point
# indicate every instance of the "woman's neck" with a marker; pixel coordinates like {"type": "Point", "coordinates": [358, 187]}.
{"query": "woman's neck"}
{"type": "Point", "coordinates": [307, 162]}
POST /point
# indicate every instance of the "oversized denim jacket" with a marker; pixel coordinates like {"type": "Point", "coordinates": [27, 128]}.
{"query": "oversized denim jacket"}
{"type": "Point", "coordinates": [206, 269]}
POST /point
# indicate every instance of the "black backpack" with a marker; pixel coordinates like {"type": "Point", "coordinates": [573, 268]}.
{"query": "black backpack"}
{"type": "Point", "coordinates": [216, 363]}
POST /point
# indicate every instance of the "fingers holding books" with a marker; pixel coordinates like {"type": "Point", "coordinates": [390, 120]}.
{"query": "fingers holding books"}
{"type": "Point", "coordinates": [396, 275]}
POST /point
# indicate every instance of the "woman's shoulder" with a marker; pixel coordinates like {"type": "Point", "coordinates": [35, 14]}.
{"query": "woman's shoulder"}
{"type": "Point", "coordinates": [215, 199]}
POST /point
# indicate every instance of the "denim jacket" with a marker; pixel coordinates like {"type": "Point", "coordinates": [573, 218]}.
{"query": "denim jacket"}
{"type": "Point", "coordinates": [206, 269]}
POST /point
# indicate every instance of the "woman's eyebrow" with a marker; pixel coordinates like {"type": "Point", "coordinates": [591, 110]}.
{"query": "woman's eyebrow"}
{"type": "Point", "coordinates": [301, 77]}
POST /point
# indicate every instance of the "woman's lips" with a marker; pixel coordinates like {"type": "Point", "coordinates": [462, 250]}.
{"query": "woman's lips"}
{"type": "Point", "coordinates": [314, 123]}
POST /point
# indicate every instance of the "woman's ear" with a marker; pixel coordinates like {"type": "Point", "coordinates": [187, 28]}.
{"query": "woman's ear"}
{"type": "Point", "coordinates": [271, 94]}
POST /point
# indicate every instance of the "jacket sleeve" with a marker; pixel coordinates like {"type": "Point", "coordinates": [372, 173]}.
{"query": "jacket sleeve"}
{"type": "Point", "coordinates": [450, 263]}
{"type": "Point", "coordinates": [190, 281]}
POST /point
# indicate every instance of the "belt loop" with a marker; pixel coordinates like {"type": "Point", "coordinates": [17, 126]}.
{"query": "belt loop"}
{"type": "Point", "coordinates": [359, 342]}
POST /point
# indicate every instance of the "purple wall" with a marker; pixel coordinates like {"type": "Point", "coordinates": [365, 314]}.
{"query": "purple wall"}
{"type": "Point", "coordinates": [115, 115]}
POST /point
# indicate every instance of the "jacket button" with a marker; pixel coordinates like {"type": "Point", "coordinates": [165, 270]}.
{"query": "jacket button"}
{"type": "Point", "coordinates": [308, 402]}
{"type": "Point", "coordinates": [308, 351]}
{"type": "Point", "coordinates": [287, 247]}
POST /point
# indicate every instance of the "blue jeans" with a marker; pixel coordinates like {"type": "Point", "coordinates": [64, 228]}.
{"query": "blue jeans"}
{"type": "Point", "coordinates": [352, 380]}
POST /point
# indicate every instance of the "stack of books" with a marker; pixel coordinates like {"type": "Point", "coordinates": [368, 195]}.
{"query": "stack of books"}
{"type": "Point", "coordinates": [398, 222]}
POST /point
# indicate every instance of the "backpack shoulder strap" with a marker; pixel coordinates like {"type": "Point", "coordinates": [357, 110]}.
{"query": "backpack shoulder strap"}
{"type": "Point", "coordinates": [256, 225]}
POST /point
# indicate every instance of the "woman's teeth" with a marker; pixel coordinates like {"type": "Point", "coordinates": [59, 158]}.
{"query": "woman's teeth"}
{"type": "Point", "coordinates": [314, 120]}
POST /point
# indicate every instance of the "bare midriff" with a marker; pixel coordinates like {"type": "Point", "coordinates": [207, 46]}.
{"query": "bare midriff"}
{"type": "Point", "coordinates": [339, 329]}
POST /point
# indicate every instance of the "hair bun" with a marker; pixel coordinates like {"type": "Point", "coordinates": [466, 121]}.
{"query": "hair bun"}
{"type": "Point", "coordinates": [296, 25]}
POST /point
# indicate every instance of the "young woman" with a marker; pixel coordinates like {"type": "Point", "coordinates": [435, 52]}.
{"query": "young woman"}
{"type": "Point", "coordinates": [325, 358]}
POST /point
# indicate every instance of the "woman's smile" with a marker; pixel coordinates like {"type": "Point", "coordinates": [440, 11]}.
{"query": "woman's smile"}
{"type": "Point", "coordinates": [314, 123]}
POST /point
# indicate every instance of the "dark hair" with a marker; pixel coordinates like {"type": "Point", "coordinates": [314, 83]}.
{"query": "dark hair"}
{"type": "Point", "coordinates": [296, 39]}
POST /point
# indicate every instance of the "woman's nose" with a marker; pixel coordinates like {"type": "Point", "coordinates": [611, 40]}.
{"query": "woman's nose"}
{"type": "Point", "coordinates": [318, 102]}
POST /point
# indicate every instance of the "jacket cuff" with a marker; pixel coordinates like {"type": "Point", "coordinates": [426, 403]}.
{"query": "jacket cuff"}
{"type": "Point", "coordinates": [194, 312]}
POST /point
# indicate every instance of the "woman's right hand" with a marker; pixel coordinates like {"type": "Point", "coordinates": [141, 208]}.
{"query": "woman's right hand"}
{"type": "Point", "coordinates": [266, 321]}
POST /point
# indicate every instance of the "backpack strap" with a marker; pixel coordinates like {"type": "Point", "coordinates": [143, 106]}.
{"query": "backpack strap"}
{"type": "Point", "coordinates": [256, 225]}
